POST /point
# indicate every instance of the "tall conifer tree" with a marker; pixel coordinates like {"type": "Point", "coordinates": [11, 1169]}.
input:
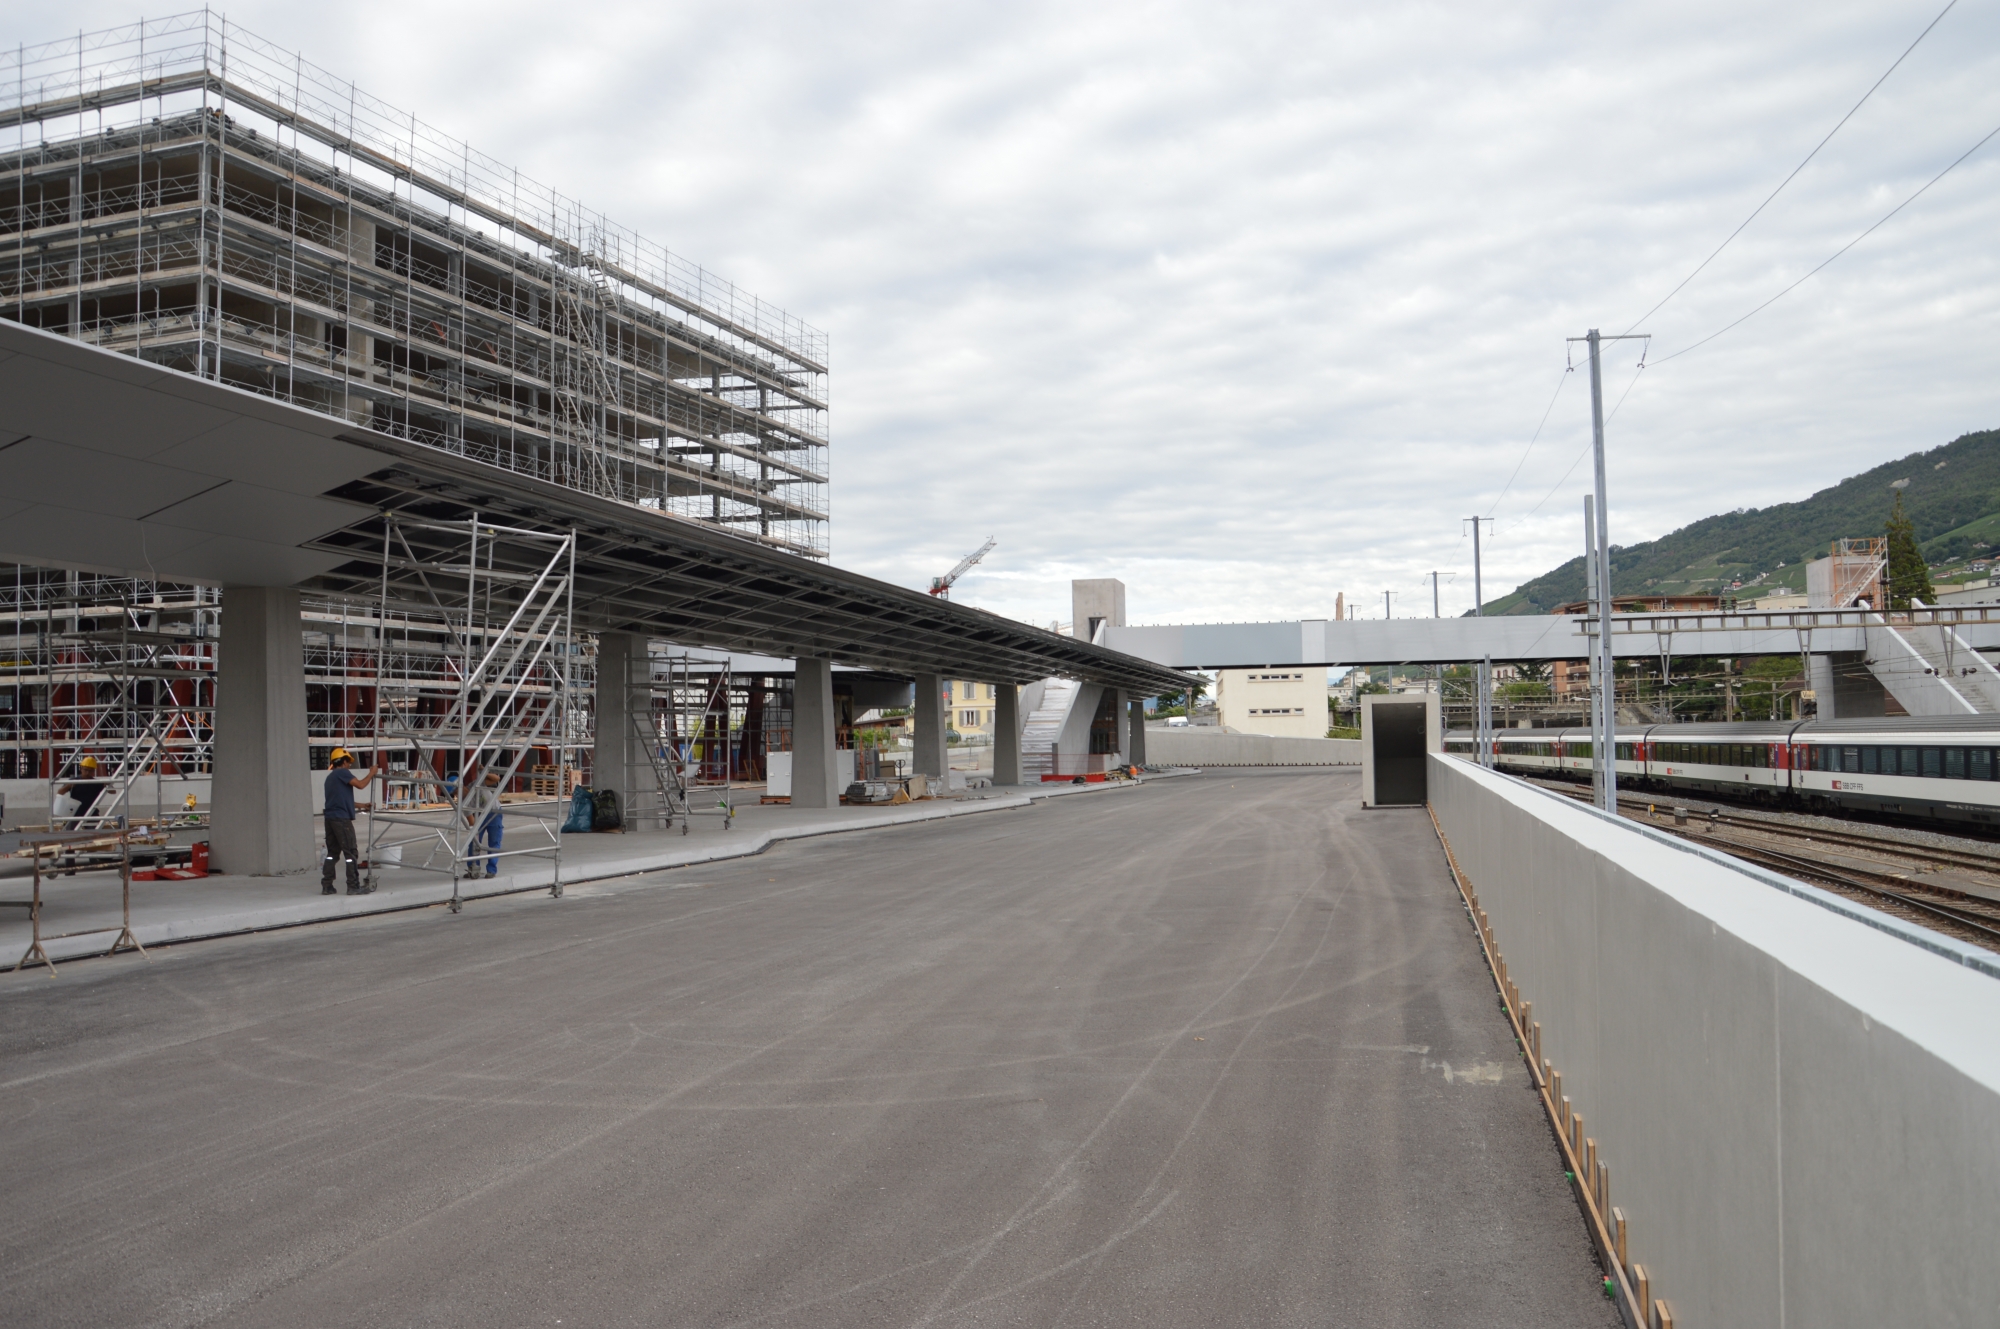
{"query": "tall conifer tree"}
{"type": "Point", "coordinates": [1908, 575]}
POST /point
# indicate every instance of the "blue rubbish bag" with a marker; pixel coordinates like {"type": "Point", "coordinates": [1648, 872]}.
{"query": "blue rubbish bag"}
{"type": "Point", "coordinates": [582, 807]}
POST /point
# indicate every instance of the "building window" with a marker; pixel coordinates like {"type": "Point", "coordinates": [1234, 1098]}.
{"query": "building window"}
{"type": "Point", "coordinates": [969, 719]}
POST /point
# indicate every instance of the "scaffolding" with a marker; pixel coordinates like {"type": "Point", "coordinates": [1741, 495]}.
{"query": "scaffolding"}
{"type": "Point", "coordinates": [124, 670]}
{"type": "Point", "coordinates": [182, 191]}
{"type": "Point", "coordinates": [1855, 572]}
{"type": "Point", "coordinates": [119, 670]}
{"type": "Point", "coordinates": [458, 734]}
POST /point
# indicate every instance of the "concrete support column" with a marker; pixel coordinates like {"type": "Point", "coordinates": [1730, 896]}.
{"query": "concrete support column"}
{"type": "Point", "coordinates": [815, 768]}
{"type": "Point", "coordinates": [1820, 677]}
{"type": "Point", "coordinates": [1122, 719]}
{"type": "Point", "coordinates": [1136, 754]}
{"type": "Point", "coordinates": [623, 666]}
{"type": "Point", "coordinates": [927, 756]}
{"type": "Point", "coordinates": [263, 796]}
{"type": "Point", "coordinates": [1006, 734]}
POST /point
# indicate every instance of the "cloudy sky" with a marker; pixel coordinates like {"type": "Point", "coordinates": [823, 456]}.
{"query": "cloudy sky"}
{"type": "Point", "coordinates": [1250, 304]}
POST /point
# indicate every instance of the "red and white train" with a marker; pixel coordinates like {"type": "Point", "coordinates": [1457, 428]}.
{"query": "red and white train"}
{"type": "Point", "coordinates": [1936, 768]}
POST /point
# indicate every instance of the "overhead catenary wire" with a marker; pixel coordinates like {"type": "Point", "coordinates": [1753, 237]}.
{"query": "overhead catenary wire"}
{"type": "Point", "coordinates": [1548, 410]}
{"type": "Point", "coordinates": [1836, 253]}
{"type": "Point", "coordinates": [1796, 169]}
{"type": "Point", "coordinates": [1717, 251]}
{"type": "Point", "coordinates": [1586, 447]}
{"type": "Point", "coordinates": [1822, 265]}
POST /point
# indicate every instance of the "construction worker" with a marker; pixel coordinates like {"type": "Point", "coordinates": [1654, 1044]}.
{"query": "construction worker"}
{"type": "Point", "coordinates": [341, 782]}
{"type": "Point", "coordinates": [85, 791]}
{"type": "Point", "coordinates": [486, 834]}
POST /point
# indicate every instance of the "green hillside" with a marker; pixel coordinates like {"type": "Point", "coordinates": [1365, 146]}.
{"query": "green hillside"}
{"type": "Point", "coordinates": [1953, 497]}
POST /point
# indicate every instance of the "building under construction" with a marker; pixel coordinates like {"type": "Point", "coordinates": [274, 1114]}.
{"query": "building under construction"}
{"type": "Point", "coordinates": [183, 191]}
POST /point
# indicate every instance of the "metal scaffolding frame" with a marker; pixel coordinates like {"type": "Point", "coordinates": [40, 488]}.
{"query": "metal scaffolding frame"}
{"type": "Point", "coordinates": [471, 723]}
{"type": "Point", "coordinates": [141, 702]}
{"type": "Point", "coordinates": [182, 191]}
{"type": "Point", "coordinates": [116, 668]}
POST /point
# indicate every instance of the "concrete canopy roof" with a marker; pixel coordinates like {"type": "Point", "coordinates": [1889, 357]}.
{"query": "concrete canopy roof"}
{"type": "Point", "coordinates": [112, 464]}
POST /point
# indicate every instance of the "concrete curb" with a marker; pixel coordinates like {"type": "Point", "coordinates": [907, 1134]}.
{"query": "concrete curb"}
{"type": "Point", "coordinates": [397, 899]}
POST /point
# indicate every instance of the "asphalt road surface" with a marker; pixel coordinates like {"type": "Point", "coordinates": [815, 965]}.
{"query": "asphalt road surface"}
{"type": "Point", "coordinates": [1214, 1051]}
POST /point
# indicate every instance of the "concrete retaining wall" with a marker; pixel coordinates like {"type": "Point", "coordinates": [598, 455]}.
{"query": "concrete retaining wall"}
{"type": "Point", "coordinates": [1800, 1110]}
{"type": "Point", "coordinates": [1211, 747]}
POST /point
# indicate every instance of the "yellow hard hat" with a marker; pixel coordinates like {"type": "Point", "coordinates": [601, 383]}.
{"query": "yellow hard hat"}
{"type": "Point", "coordinates": [340, 754]}
{"type": "Point", "coordinates": [90, 762]}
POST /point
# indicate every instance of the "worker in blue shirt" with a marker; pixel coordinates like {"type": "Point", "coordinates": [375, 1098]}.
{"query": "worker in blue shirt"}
{"type": "Point", "coordinates": [487, 833]}
{"type": "Point", "coordinates": [341, 782]}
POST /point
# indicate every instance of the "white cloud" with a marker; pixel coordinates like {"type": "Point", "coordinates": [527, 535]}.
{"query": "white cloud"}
{"type": "Point", "coordinates": [1250, 304]}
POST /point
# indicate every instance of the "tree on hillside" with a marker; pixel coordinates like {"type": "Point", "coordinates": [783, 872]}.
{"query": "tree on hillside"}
{"type": "Point", "coordinates": [1908, 576]}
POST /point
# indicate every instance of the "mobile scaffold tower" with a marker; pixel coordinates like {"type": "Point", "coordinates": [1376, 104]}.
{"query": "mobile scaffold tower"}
{"type": "Point", "coordinates": [463, 734]}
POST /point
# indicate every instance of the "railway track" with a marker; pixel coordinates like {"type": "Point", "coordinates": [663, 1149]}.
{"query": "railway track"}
{"type": "Point", "coordinates": [1968, 915]}
{"type": "Point", "coordinates": [1932, 858]}
{"type": "Point", "coordinates": [1935, 907]}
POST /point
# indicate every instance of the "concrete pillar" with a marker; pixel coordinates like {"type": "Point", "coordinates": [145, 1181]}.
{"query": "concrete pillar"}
{"type": "Point", "coordinates": [1136, 754]}
{"type": "Point", "coordinates": [263, 795]}
{"type": "Point", "coordinates": [1121, 725]}
{"type": "Point", "coordinates": [1094, 603]}
{"type": "Point", "coordinates": [927, 756]}
{"type": "Point", "coordinates": [1006, 734]}
{"type": "Point", "coordinates": [815, 768]}
{"type": "Point", "coordinates": [1820, 676]}
{"type": "Point", "coordinates": [622, 667]}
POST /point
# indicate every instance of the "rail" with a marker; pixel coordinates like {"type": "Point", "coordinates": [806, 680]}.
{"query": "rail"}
{"type": "Point", "coordinates": [1967, 916]}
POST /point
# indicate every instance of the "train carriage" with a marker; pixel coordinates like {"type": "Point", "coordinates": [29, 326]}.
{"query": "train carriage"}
{"type": "Point", "coordinates": [1945, 768]}
{"type": "Point", "coordinates": [1574, 751]}
{"type": "Point", "coordinates": [1935, 768]}
{"type": "Point", "coordinates": [1529, 749]}
{"type": "Point", "coordinates": [1741, 759]}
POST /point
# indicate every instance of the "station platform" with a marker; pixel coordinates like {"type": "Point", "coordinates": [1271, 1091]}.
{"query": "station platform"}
{"type": "Point", "coordinates": [87, 906]}
{"type": "Point", "coordinates": [1219, 1050]}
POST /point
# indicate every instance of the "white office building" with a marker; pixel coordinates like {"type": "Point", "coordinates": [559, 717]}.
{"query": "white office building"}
{"type": "Point", "coordinates": [1287, 702]}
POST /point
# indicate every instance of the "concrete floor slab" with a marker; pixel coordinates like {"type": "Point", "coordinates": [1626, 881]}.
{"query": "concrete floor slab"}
{"type": "Point", "coordinates": [1215, 1051]}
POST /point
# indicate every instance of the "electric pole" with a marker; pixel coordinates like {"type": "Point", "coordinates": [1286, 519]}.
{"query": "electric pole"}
{"type": "Point", "coordinates": [1478, 586]}
{"type": "Point", "coordinates": [1482, 708]}
{"type": "Point", "coordinates": [1604, 740]}
{"type": "Point", "coordinates": [1596, 684]}
{"type": "Point", "coordinates": [1436, 671]}
{"type": "Point", "coordinates": [1385, 604]}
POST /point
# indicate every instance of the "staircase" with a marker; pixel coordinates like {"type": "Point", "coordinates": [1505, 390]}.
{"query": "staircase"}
{"type": "Point", "coordinates": [1044, 727]}
{"type": "Point", "coordinates": [1931, 670]}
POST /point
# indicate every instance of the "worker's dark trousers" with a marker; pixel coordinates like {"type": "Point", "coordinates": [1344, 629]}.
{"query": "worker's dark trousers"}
{"type": "Point", "coordinates": [340, 844]}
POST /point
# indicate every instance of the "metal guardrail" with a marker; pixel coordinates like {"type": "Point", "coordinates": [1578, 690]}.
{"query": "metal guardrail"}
{"type": "Point", "coordinates": [1791, 620]}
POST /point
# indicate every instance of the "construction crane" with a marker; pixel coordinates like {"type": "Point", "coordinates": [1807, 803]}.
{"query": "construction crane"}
{"type": "Point", "coordinates": [941, 586]}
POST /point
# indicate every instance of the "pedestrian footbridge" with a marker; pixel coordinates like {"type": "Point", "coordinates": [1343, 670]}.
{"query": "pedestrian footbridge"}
{"type": "Point", "coordinates": [1928, 659]}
